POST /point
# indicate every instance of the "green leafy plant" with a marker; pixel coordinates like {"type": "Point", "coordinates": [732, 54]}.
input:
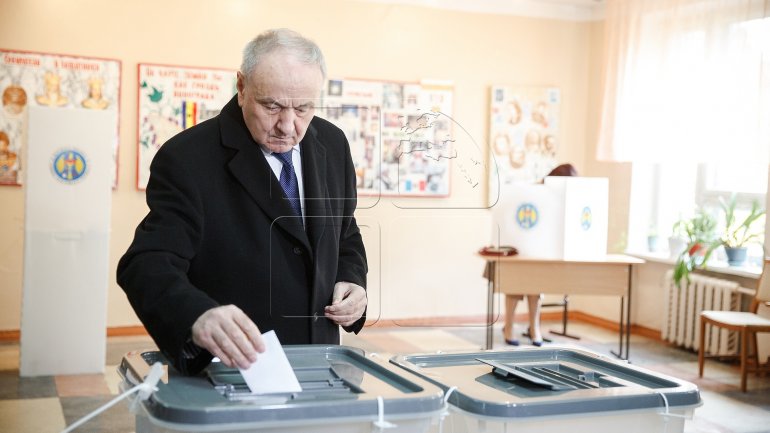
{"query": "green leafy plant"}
{"type": "Point", "coordinates": [738, 234]}
{"type": "Point", "coordinates": [679, 229]}
{"type": "Point", "coordinates": [701, 235]}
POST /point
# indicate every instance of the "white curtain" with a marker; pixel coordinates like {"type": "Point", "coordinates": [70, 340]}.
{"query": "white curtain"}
{"type": "Point", "coordinates": [686, 80]}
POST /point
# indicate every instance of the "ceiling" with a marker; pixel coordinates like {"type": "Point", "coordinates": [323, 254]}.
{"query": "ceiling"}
{"type": "Point", "coordinates": [573, 10]}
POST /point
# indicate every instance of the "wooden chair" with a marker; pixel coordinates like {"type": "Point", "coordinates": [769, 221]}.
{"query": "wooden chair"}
{"type": "Point", "coordinates": [748, 324]}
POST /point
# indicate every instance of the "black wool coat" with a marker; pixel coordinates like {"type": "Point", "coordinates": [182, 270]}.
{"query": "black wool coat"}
{"type": "Point", "coordinates": [221, 231]}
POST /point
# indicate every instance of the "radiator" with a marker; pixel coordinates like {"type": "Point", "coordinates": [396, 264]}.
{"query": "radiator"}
{"type": "Point", "coordinates": [682, 307]}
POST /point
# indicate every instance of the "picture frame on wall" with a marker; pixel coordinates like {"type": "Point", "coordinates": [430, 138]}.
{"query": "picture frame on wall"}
{"type": "Point", "coordinates": [523, 134]}
{"type": "Point", "coordinates": [399, 135]}
{"type": "Point", "coordinates": [61, 81]}
{"type": "Point", "coordinates": [171, 99]}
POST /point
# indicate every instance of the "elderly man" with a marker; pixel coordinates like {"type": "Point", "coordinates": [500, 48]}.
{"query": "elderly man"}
{"type": "Point", "coordinates": [251, 224]}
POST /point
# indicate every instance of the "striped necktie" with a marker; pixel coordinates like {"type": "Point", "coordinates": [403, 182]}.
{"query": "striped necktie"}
{"type": "Point", "coordinates": [288, 181]}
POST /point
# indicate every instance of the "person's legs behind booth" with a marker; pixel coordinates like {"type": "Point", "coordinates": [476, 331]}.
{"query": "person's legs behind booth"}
{"type": "Point", "coordinates": [534, 302]}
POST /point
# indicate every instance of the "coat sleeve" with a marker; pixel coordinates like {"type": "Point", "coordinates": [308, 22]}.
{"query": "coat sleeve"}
{"type": "Point", "coordinates": [153, 272]}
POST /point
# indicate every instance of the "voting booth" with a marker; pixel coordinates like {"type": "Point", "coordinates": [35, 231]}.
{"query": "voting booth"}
{"type": "Point", "coordinates": [66, 240]}
{"type": "Point", "coordinates": [562, 218]}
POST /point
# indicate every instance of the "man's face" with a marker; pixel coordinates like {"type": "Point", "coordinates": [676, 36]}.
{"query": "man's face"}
{"type": "Point", "coordinates": [278, 100]}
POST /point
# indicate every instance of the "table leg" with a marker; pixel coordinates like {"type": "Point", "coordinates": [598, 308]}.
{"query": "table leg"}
{"type": "Point", "coordinates": [490, 313]}
{"type": "Point", "coordinates": [563, 332]}
{"type": "Point", "coordinates": [619, 353]}
{"type": "Point", "coordinates": [628, 315]}
{"type": "Point", "coordinates": [625, 322]}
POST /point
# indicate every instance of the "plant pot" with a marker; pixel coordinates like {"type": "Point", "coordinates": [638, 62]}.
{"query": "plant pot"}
{"type": "Point", "coordinates": [676, 246]}
{"type": "Point", "coordinates": [736, 256]}
{"type": "Point", "coordinates": [652, 243]}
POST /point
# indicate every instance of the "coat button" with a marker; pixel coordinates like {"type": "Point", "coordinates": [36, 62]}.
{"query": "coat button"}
{"type": "Point", "coordinates": [297, 251]}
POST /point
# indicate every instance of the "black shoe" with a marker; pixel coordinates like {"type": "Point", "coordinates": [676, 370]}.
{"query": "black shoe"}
{"type": "Point", "coordinates": [513, 342]}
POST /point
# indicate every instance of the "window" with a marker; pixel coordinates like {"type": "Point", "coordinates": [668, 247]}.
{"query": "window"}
{"type": "Point", "coordinates": [687, 102]}
{"type": "Point", "coordinates": [663, 193]}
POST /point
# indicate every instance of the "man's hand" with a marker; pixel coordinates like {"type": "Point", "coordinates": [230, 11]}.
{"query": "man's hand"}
{"type": "Point", "coordinates": [348, 303]}
{"type": "Point", "coordinates": [228, 333]}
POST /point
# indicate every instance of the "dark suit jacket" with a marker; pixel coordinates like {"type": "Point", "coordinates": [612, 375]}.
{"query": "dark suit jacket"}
{"type": "Point", "coordinates": [219, 232]}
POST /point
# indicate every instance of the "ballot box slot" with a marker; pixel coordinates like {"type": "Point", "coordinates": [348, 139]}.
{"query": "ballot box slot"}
{"type": "Point", "coordinates": [317, 382]}
{"type": "Point", "coordinates": [563, 379]}
{"type": "Point", "coordinates": [508, 372]}
{"type": "Point", "coordinates": [552, 376]}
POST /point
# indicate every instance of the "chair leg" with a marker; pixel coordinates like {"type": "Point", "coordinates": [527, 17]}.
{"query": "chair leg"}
{"type": "Point", "coordinates": [701, 346]}
{"type": "Point", "coordinates": [744, 356]}
{"type": "Point", "coordinates": [754, 352]}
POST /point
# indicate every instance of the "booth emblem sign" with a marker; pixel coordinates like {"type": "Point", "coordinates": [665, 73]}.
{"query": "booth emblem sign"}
{"type": "Point", "coordinates": [69, 165]}
{"type": "Point", "coordinates": [586, 218]}
{"type": "Point", "coordinates": [527, 216]}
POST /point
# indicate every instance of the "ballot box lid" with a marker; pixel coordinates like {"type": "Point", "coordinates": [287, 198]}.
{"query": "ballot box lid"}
{"type": "Point", "coordinates": [544, 382]}
{"type": "Point", "coordinates": [338, 383]}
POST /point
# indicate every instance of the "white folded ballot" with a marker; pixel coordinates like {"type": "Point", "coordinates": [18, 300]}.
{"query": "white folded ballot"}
{"type": "Point", "coordinates": [271, 373]}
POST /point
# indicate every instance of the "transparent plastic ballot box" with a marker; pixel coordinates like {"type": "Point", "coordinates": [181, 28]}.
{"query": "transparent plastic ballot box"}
{"type": "Point", "coordinates": [553, 389]}
{"type": "Point", "coordinates": [342, 391]}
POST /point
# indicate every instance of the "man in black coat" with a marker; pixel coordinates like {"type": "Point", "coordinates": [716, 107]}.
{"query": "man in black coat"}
{"type": "Point", "coordinates": [251, 224]}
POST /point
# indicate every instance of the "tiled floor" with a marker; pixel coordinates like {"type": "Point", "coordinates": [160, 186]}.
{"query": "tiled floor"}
{"type": "Point", "coordinates": [49, 404]}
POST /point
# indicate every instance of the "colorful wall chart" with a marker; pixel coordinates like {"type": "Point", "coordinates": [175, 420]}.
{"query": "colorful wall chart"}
{"type": "Point", "coordinates": [53, 80]}
{"type": "Point", "coordinates": [524, 133]}
{"type": "Point", "coordinates": [174, 98]}
{"type": "Point", "coordinates": [400, 134]}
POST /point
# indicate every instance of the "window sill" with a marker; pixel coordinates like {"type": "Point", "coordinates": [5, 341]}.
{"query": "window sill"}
{"type": "Point", "coordinates": [716, 267]}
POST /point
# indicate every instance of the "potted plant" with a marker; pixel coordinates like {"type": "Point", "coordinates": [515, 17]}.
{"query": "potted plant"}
{"type": "Point", "coordinates": [738, 233]}
{"type": "Point", "coordinates": [700, 234]}
{"type": "Point", "coordinates": [652, 239]}
{"type": "Point", "coordinates": [678, 239]}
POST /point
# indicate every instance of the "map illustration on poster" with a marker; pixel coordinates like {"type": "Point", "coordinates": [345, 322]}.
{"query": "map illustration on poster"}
{"type": "Point", "coordinates": [524, 132]}
{"type": "Point", "coordinates": [52, 80]}
{"type": "Point", "coordinates": [174, 98]}
{"type": "Point", "coordinates": [400, 135]}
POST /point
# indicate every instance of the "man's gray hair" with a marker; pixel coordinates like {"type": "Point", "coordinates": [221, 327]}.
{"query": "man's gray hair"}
{"type": "Point", "coordinates": [268, 41]}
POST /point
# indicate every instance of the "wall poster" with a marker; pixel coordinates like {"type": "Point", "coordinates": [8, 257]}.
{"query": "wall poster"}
{"type": "Point", "coordinates": [524, 132]}
{"type": "Point", "coordinates": [52, 80]}
{"type": "Point", "coordinates": [174, 98]}
{"type": "Point", "coordinates": [400, 134]}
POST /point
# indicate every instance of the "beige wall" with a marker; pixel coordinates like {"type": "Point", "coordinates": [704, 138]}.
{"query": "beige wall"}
{"type": "Point", "coordinates": [423, 262]}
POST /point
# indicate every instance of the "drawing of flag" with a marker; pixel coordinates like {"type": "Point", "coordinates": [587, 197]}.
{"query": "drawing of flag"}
{"type": "Point", "coordinates": [189, 113]}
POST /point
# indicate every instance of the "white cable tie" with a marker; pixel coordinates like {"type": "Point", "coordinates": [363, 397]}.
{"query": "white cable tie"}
{"type": "Point", "coordinates": [449, 393]}
{"type": "Point", "coordinates": [145, 389]}
{"type": "Point", "coordinates": [667, 412]}
{"type": "Point", "coordinates": [151, 381]}
{"type": "Point", "coordinates": [381, 423]}
{"type": "Point", "coordinates": [445, 408]}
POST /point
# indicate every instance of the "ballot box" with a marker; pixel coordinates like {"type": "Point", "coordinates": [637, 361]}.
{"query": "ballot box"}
{"type": "Point", "coordinates": [555, 390]}
{"type": "Point", "coordinates": [562, 218]}
{"type": "Point", "coordinates": [342, 391]}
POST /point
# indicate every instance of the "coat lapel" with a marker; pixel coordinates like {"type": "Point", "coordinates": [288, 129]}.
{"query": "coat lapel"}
{"type": "Point", "coordinates": [314, 180]}
{"type": "Point", "coordinates": [252, 171]}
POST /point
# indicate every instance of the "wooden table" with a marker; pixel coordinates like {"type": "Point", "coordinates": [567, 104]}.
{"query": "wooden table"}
{"type": "Point", "coordinates": [528, 275]}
